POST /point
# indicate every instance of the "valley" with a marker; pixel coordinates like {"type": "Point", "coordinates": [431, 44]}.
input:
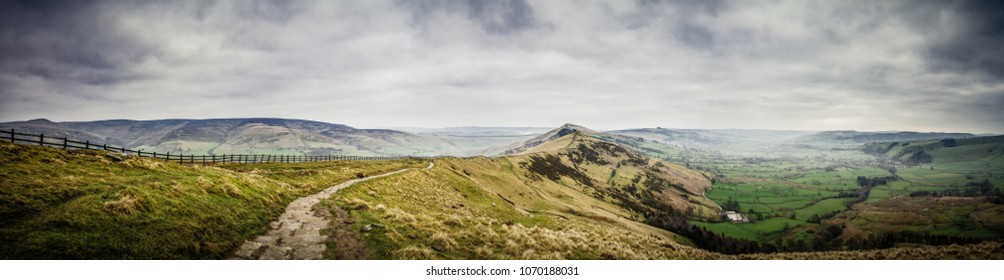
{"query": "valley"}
{"type": "Point", "coordinates": [566, 193]}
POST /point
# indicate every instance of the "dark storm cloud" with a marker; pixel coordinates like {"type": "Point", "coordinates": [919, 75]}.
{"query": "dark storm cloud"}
{"type": "Point", "coordinates": [68, 40]}
{"type": "Point", "coordinates": [866, 65]}
{"type": "Point", "coordinates": [974, 41]}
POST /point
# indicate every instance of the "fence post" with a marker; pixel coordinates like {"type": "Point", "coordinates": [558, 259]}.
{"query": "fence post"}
{"type": "Point", "coordinates": [41, 140]}
{"type": "Point", "coordinates": [104, 146]}
{"type": "Point", "coordinates": [65, 143]}
{"type": "Point", "coordinates": [12, 135]}
{"type": "Point", "coordinates": [154, 154]}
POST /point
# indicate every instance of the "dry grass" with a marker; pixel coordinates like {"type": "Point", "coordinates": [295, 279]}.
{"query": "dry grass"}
{"type": "Point", "coordinates": [445, 214]}
{"type": "Point", "coordinates": [57, 204]}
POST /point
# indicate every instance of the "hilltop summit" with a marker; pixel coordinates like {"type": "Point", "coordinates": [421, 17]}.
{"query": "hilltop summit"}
{"type": "Point", "coordinates": [561, 131]}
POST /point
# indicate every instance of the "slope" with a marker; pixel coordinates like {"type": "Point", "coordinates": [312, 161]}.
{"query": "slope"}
{"type": "Point", "coordinates": [574, 196]}
{"type": "Point", "coordinates": [58, 204]}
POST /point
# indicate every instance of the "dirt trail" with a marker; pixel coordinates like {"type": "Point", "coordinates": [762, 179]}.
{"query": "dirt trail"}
{"type": "Point", "coordinates": [296, 235]}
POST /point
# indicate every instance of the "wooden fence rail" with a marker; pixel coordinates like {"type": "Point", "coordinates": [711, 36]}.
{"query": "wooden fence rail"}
{"type": "Point", "coordinates": [67, 144]}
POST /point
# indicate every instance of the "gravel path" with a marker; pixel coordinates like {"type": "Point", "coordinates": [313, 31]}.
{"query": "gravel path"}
{"type": "Point", "coordinates": [296, 235]}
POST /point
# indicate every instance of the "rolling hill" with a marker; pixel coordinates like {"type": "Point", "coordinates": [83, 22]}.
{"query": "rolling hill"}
{"type": "Point", "coordinates": [858, 137]}
{"type": "Point", "coordinates": [474, 140]}
{"type": "Point", "coordinates": [245, 136]}
{"type": "Point", "coordinates": [987, 150]}
{"type": "Point", "coordinates": [717, 139]}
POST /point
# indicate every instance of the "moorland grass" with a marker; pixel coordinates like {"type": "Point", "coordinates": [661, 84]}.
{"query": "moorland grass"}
{"type": "Point", "coordinates": [57, 204]}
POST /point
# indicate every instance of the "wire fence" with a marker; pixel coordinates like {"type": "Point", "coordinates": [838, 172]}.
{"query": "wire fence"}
{"type": "Point", "coordinates": [67, 144]}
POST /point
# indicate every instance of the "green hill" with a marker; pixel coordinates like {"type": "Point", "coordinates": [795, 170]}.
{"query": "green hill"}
{"type": "Point", "coordinates": [954, 154]}
{"type": "Point", "coordinates": [57, 204]}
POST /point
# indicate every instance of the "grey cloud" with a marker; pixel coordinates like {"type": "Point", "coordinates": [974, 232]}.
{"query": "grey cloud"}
{"type": "Point", "coordinates": [276, 11]}
{"type": "Point", "coordinates": [500, 17]}
{"type": "Point", "coordinates": [68, 40]}
{"type": "Point", "coordinates": [973, 45]}
{"type": "Point", "coordinates": [743, 64]}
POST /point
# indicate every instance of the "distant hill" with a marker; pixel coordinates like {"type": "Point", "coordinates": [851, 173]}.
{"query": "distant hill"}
{"type": "Point", "coordinates": [715, 139]}
{"type": "Point", "coordinates": [857, 137]}
{"type": "Point", "coordinates": [240, 136]}
{"type": "Point", "coordinates": [980, 152]}
{"type": "Point", "coordinates": [474, 140]}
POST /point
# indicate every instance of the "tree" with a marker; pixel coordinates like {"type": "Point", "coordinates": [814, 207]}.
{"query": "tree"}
{"type": "Point", "coordinates": [892, 170]}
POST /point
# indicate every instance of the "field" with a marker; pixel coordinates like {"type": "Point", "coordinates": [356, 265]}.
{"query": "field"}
{"type": "Point", "coordinates": [809, 187]}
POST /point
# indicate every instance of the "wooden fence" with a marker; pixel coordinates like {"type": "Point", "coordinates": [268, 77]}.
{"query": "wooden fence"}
{"type": "Point", "coordinates": [64, 143]}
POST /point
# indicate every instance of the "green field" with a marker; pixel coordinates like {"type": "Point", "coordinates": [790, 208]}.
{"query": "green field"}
{"type": "Point", "coordinates": [796, 182]}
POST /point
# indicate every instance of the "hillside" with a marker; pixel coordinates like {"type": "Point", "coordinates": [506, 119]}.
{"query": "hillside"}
{"type": "Point", "coordinates": [57, 204]}
{"type": "Point", "coordinates": [241, 136]}
{"type": "Point", "coordinates": [590, 199]}
{"type": "Point", "coordinates": [983, 150]}
{"type": "Point", "coordinates": [574, 196]}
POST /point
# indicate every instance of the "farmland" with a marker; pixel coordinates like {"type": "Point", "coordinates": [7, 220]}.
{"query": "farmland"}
{"type": "Point", "coordinates": [794, 191]}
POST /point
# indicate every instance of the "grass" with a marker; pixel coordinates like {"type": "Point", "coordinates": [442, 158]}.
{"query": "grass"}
{"type": "Point", "coordinates": [57, 204]}
{"type": "Point", "coordinates": [759, 231]}
{"type": "Point", "coordinates": [444, 213]}
{"type": "Point", "coordinates": [564, 202]}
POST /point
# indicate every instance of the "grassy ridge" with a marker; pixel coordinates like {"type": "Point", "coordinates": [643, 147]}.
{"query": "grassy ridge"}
{"type": "Point", "coordinates": [57, 204]}
{"type": "Point", "coordinates": [481, 209]}
{"type": "Point", "coordinates": [577, 197]}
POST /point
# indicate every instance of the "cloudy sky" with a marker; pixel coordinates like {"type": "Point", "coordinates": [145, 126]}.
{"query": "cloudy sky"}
{"type": "Point", "coordinates": [807, 65]}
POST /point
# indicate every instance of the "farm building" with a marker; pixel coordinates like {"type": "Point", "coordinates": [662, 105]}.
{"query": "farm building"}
{"type": "Point", "coordinates": [735, 217]}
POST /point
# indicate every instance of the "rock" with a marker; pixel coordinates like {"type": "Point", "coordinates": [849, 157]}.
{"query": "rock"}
{"type": "Point", "coordinates": [114, 157]}
{"type": "Point", "coordinates": [370, 227]}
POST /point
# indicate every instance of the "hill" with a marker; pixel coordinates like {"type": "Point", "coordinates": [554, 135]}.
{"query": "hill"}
{"type": "Point", "coordinates": [857, 137]}
{"type": "Point", "coordinates": [715, 139]}
{"type": "Point", "coordinates": [241, 136]}
{"type": "Point", "coordinates": [537, 141]}
{"type": "Point", "coordinates": [58, 204]}
{"type": "Point", "coordinates": [484, 141]}
{"type": "Point", "coordinates": [526, 205]}
{"type": "Point", "coordinates": [591, 199]}
{"type": "Point", "coordinates": [987, 151]}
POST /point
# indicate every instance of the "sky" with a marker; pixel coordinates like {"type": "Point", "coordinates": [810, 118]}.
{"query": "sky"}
{"type": "Point", "coordinates": [791, 65]}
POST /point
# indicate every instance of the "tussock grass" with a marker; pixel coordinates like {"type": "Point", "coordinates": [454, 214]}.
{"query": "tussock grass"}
{"type": "Point", "coordinates": [57, 204]}
{"type": "Point", "coordinates": [445, 213]}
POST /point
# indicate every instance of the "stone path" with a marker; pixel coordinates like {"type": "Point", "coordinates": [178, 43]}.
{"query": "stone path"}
{"type": "Point", "coordinates": [296, 235]}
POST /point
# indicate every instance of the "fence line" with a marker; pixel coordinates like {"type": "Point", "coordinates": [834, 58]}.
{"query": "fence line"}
{"type": "Point", "coordinates": [67, 144]}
